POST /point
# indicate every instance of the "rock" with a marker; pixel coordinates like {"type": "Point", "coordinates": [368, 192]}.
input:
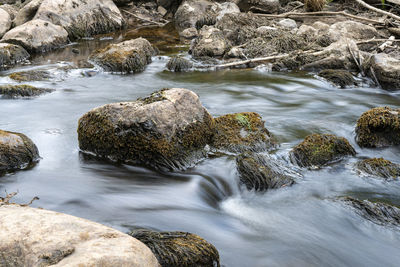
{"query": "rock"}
{"type": "Point", "coordinates": [176, 249]}
{"type": "Point", "coordinates": [321, 149]}
{"type": "Point", "coordinates": [376, 212]}
{"type": "Point", "coordinates": [37, 36]}
{"type": "Point", "coordinates": [341, 78]}
{"type": "Point", "coordinates": [236, 52]}
{"type": "Point", "coordinates": [240, 132]}
{"type": "Point", "coordinates": [167, 130]}
{"type": "Point", "coordinates": [189, 12]}
{"type": "Point", "coordinates": [15, 91]}
{"type": "Point", "coordinates": [395, 32]}
{"type": "Point", "coordinates": [179, 64]}
{"type": "Point", "coordinates": [31, 75]}
{"type": "Point", "coordinates": [267, 6]}
{"type": "Point", "coordinates": [314, 5]}
{"type": "Point", "coordinates": [12, 10]}
{"type": "Point", "coordinates": [351, 29]}
{"type": "Point", "coordinates": [11, 54]}
{"type": "Point", "coordinates": [226, 8]}
{"type": "Point", "coordinates": [127, 57]}
{"type": "Point", "coordinates": [378, 127]}
{"type": "Point", "coordinates": [38, 237]}
{"type": "Point", "coordinates": [387, 71]}
{"type": "Point", "coordinates": [261, 173]}
{"type": "Point", "coordinates": [27, 12]}
{"type": "Point", "coordinates": [288, 24]}
{"type": "Point", "coordinates": [267, 30]}
{"type": "Point", "coordinates": [82, 18]}
{"type": "Point", "coordinates": [16, 151]}
{"type": "Point", "coordinates": [210, 43]}
{"type": "Point", "coordinates": [379, 167]}
{"type": "Point", "coordinates": [189, 33]}
{"type": "Point", "coordinates": [5, 22]}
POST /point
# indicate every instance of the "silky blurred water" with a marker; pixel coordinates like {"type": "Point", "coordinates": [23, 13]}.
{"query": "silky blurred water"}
{"type": "Point", "coordinates": [296, 226]}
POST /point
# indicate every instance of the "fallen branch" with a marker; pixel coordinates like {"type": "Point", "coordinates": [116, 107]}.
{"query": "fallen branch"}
{"type": "Point", "coordinates": [146, 20]}
{"type": "Point", "coordinates": [377, 41]}
{"type": "Point", "coordinates": [377, 10]}
{"type": "Point", "coordinates": [245, 62]}
{"type": "Point", "coordinates": [6, 200]}
{"type": "Point", "coordinates": [320, 13]}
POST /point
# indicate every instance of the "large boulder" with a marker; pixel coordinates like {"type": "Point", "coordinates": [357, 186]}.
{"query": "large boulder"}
{"type": "Point", "coordinates": [267, 6]}
{"type": "Point", "coordinates": [127, 57]}
{"type": "Point", "coordinates": [27, 12]}
{"type": "Point", "coordinates": [11, 54]}
{"type": "Point", "coordinates": [5, 22]}
{"type": "Point", "coordinates": [387, 71]}
{"type": "Point", "coordinates": [352, 30]}
{"type": "Point", "coordinates": [320, 149]}
{"type": "Point", "coordinates": [176, 249]}
{"type": "Point", "coordinates": [16, 91]}
{"type": "Point", "coordinates": [378, 127]}
{"type": "Point", "coordinates": [210, 43]}
{"type": "Point", "coordinates": [179, 64]}
{"type": "Point", "coordinates": [190, 11]}
{"type": "Point", "coordinates": [17, 151]}
{"type": "Point", "coordinates": [82, 18]}
{"type": "Point", "coordinates": [38, 237]}
{"type": "Point", "coordinates": [37, 36]}
{"type": "Point", "coordinates": [260, 173]}
{"type": "Point", "coordinates": [240, 132]}
{"type": "Point", "coordinates": [12, 10]}
{"type": "Point", "coordinates": [167, 130]}
{"type": "Point", "coordinates": [379, 167]}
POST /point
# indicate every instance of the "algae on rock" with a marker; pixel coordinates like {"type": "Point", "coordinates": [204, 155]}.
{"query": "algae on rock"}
{"type": "Point", "coordinates": [23, 90]}
{"type": "Point", "coordinates": [379, 167]}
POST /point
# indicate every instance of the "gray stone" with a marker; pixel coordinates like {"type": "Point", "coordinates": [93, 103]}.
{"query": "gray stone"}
{"type": "Point", "coordinates": [5, 22]}
{"type": "Point", "coordinates": [189, 12]}
{"type": "Point", "coordinates": [351, 29]}
{"type": "Point", "coordinates": [289, 24]}
{"type": "Point", "coordinates": [21, 90]}
{"type": "Point", "coordinates": [11, 54]}
{"type": "Point", "coordinates": [387, 71]}
{"type": "Point", "coordinates": [27, 12]}
{"type": "Point", "coordinates": [189, 33]}
{"type": "Point", "coordinates": [211, 42]}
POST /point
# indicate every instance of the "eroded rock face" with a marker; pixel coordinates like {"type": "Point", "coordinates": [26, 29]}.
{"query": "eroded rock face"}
{"type": "Point", "coordinates": [210, 43]}
{"type": "Point", "coordinates": [82, 18]}
{"type": "Point", "coordinates": [16, 91]}
{"type": "Point", "coordinates": [127, 57]}
{"type": "Point", "coordinates": [11, 54]}
{"type": "Point", "coordinates": [17, 151]}
{"type": "Point", "coordinates": [241, 132]}
{"type": "Point", "coordinates": [37, 36]}
{"type": "Point", "coordinates": [176, 249]}
{"type": "Point", "coordinates": [320, 149]}
{"type": "Point", "coordinates": [37, 237]}
{"type": "Point", "coordinates": [379, 167]}
{"type": "Point", "coordinates": [387, 71]}
{"type": "Point", "coordinates": [378, 127]}
{"type": "Point", "coordinates": [260, 173]}
{"type": "Point", "coordinates": [167, 130]}
{"type": "Point", "coordinates": [5, 22]}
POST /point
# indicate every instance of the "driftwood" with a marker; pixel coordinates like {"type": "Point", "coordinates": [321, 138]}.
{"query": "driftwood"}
{"type": "Point", "coordinates": [377, 10]}
{"type": "Point", "coordinates": [6, 200]}
{"type": "Point", "coordinates": [378, 41]}
{"type": "Point", "coordinates": [143, 19]}
{"type": "Point", "coordinates": [245, 62]}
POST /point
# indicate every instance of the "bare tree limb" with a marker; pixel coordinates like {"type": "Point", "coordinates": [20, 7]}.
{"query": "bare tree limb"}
{"type": "Point", "coordinates": [377, 10]}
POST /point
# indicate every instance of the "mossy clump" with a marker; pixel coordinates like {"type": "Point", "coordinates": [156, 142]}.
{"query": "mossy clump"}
{"type": "Point", "coordinates": [11, 54]}
{"type": "Point", "coordinates": [17, 151]}
{"type": "Point", "coordinates": [314, 5]}
{"type": "Point", "coordinates": [341, 78]}
{"type": "Point", "coordinates": [179, 249]}
{"type": "Point", "coordinates": [31, 75]}
{"type": "Point", "coordinates": [259, 173]}
{"type": "Point", "coordinates": [379, 167]}
{"type": "Point", "coordinates": [378, 127]}
{"type": "Point", "coordinates": [179, 64]}
{"type": "Point", "coordinates": [320, 149]}
{"type": "Point", "coordinates": [23, 90]}
{"type": "Point", "coordinates": [240, 132]}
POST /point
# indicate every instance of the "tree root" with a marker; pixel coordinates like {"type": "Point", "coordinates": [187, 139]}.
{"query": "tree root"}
{"type": "Point", "coordinates": [6, 200]}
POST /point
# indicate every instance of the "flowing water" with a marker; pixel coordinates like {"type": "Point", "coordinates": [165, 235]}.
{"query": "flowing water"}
{"type": "Point", "coordinates": [297, 226]}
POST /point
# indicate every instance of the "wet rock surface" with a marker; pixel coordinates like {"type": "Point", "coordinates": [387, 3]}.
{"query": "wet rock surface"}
{"type": "Point", "coordinates": [320, 149]}
{"type": "Point", "coordinates": [379, 167]}
{"type": "Point", "coordinates": [127, 57]}
{"type": "Point", "coordinates": [260, 172]}
{"type": "Point", "coordinates": [341, 78]}
{"type": "Point", "coordinates": [177, 249]}
{"type": "Point", "coordinates": [30, 75]}
{"type": "Point", "coordinates": [378, 127]}
{"type": "Point", "coordinates": [11, 55]}
{"type": "Point", "coordinates": [167, 130]}
{"type": "Point", "coordinates": [179, 64]}
{"type": "Point", "coordinates": [16, 91]}
{"type": "Point", "coordinates": [17, 151]}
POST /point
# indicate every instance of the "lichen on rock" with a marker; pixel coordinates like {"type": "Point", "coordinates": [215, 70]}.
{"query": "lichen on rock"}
{"type": "Point", "coordinates": [23, 90]}
{"type": "Point", "coordinates": [379, 167]}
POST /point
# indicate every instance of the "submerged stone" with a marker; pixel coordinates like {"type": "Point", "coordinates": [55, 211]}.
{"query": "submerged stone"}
{"type": "Point", "coordinates": [179, 249]}
{"type": "Point", "coordinates": [378, 127]}
{"type": "Point", "coordinates": [240, 132]}
{"type": "Point", "coordinates": [17, 151]}
{"type": "Point", "coordinates": [179, 64]}
{"type": "Point", "coordinates": [341, 78]}
{"type": "Point", "coordinates": [167, 130]}
{"type": "Point", "coordinates": [320, 149]}
{"type": "Point", "coordinates": [31, 75]}
{"type": "Point", "coordinates": [260, 173]}
{"type": "Point", "coordinates": [379, 167]}
{"type": "Point", "coordinates": [23, 90]}
{"type": "Point", "coordinates": [11, 54]}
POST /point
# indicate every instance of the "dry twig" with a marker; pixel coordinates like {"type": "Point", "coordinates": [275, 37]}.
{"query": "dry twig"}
{"type": "Point", "coordinates": [377, 10]}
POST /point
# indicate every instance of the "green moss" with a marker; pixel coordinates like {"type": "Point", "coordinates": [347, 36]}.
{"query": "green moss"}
{"type": "Point", "coordinates": [341, 78]}
{"type": "Point", "coordinates": [32, 75]}
{"type": "Point", "coordinates": [320, 149]}
{"type": "Point", "coordinates": [378, 127]}
{"type": "Point", "coordinates": [243, 120]}
{"type": "Point", "coordinates": [23, 90]}
{"type": "Point", "coordinates": [379, 167]}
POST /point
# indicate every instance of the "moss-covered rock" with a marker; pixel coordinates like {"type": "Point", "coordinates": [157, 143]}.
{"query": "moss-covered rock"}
{"type": "Point", "coordinates": [16, 151]}
{"type": "Point", "coordinates": [378, 127]}
{"type": "Point", "coordinates": [261, 173]}
{"type": "Point", "coordinates": [179, 64]}
{"type": "Point", "coordinates": [240, 132]}
{"type": "Point", "coordinates": [127, 57]}
{"type": "Point", "coordinates": [31, 75]}
{"type": "Point", "coordinates": [341, 78]}
{"type": "Point", "coordinates": [377, 212]}
{"type": "Point", "coordinates": [210, 43]}
{"type": "Point", "coordinates": [320, 149]}
{"type": "Point", "coordinates": [167, 130]}
{"type": "Point", "coordinates": [379, 167]}
{"type": "Point", "coordinates": [11, 54]}
{"type": "Point", "coordinates": [23, 90]}
{"type": "Point", "coordinates": [314, 5]}
{"type": "Point", "coordinates": [179, 249]}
